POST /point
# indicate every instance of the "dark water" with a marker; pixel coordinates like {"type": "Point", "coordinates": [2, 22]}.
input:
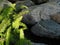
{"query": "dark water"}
{"type": "Point", "coordinates": [37, 39]}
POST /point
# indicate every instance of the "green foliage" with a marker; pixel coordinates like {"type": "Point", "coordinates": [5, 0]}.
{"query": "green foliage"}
{"type": "Point", "coordinates": [10, 23]}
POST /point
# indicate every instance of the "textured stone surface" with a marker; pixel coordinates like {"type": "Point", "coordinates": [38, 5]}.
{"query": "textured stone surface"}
{"type": "Point", "coordinates": [42, 11]}
{"type": "Point", "coordinates": [46, 27]}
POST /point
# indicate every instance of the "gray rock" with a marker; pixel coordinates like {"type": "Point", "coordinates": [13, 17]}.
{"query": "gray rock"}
{"type": "Point", "coordinates": [28, 18]}
{"type": "Point", "coordinates": [42, 11]}
{"type": "Point", "coordinates": [45, 26]}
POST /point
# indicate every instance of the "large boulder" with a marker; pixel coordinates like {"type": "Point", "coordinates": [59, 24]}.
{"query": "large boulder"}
{"type": "Point", "coordinates": [40, 18]}
{"type": "Point", "coordinates": [46, 26]}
